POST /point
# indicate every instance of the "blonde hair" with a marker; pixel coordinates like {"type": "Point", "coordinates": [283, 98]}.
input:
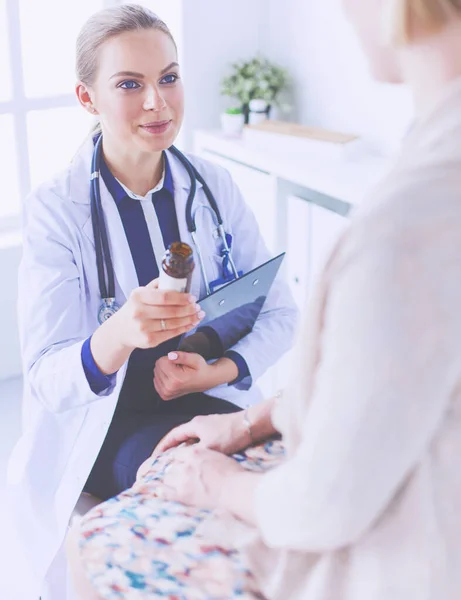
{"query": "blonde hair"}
{"type": "Point", "coordinates": [428, 15]}
{"type": "Point", "coordinates": [106, 24]}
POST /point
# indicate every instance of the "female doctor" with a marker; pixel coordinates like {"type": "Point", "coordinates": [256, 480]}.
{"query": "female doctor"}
{"type": "Point", "coordinates": [99, 397]}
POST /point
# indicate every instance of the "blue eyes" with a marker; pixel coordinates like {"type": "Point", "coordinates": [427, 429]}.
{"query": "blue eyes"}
{"type": "Point", "coordinates": [129, 84]}
{"type": "Point", "coordinates": [172, 78]}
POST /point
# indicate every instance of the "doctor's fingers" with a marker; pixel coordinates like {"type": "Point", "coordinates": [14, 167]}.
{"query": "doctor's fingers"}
{"type": "Point", "coordinates": [170, 324]}
{"type": "Point", "coordinates": [154, 297]}
{"type": "Point", "coordinates": [166, 388]}
{"type": "Point", "coordinates": [155, 337]}
{"type": "Point", "coordinates": [146, 311]}
{"type": "Point", "coordinates": [159, 384]}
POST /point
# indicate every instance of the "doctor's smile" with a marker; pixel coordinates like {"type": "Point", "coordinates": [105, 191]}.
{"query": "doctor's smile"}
{"type": "Point", "coordinates": [156, 127]}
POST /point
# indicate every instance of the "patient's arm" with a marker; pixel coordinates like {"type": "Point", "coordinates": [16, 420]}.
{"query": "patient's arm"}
{"type": "Point", "coordinates": [260, 418]}
{"type": "Point", "coordinates": [224, 433]}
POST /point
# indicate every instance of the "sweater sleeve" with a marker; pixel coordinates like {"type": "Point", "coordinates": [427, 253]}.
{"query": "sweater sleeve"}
{"type": "Point", "coordinates": [389, 365]}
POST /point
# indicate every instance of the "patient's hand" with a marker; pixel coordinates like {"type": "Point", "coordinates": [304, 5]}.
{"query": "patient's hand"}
{"type": "Point", "coordinates": [227, 434]}
{"type": "Point", "coordinates": [147, 465]}
{"type": "Point", "coordinates": [199, 477]}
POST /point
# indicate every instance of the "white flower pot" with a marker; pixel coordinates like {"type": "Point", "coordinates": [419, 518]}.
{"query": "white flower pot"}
{"type": "Point", "coordinates": [232, 125]}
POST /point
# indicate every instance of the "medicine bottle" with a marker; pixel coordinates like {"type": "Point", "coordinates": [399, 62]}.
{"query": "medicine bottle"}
{"type": "Point", "coordinates": [177, 268]}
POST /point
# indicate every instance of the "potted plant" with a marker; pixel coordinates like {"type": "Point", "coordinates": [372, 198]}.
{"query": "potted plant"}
{"type": "Point", "coordinates": [232, 121]}
{"type": "Point", "coordinates": [254, 79]}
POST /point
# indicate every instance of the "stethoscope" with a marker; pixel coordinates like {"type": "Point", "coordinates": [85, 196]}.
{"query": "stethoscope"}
{"type": "Point", "coordinates": [103, 257]}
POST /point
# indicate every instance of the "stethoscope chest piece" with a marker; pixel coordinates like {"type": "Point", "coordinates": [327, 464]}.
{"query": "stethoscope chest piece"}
{"type": "Point", "coordinates": [107, 309]}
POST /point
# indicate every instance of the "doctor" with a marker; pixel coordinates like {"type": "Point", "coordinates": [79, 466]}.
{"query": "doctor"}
{"type": "Point", "coordinates": [98, 398]}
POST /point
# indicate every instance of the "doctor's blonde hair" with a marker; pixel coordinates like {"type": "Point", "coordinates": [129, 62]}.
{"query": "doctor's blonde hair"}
{"type": "Point", "coordinates": [106, 24]}
{"type": "Point", "coordinates": [427, 16]}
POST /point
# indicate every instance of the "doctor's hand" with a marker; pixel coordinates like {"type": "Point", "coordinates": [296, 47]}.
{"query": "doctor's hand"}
{"type": "Point", "coordinates": [148, 318]}
{"type": "Point", "coordinates": [182, 373]}
{"type": "Point", "coordinates": [151, 316]}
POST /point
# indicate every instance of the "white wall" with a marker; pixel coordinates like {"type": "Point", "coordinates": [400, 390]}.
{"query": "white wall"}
{"type": "Point", "coordinates": [331, 81]}
{"type": "Point", "coordinates": [215, 34]}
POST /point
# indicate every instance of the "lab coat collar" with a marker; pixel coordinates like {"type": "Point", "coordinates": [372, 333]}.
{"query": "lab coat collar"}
{"type": "Point", "coordinates": [179, 174]}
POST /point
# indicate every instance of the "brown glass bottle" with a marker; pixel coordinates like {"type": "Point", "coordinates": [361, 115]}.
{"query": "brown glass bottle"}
{"type": "Point", "coordinates": [177, 268]}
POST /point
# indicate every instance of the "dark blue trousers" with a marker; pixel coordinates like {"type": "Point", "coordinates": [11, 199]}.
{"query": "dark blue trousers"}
{"type": "Point", "coordinates": [133, 435]}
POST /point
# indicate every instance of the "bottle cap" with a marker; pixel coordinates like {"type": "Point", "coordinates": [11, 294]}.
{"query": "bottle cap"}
{"type": "Point", "coordinates": [181, 249]}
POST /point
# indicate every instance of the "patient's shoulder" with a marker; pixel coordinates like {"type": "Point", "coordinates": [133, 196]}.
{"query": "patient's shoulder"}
{"type": "Point", "coordinates": [412, 201]}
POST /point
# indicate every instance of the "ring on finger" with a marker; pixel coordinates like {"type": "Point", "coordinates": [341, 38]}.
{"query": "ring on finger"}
{"type": "Point", "coordinates": [163, 324]}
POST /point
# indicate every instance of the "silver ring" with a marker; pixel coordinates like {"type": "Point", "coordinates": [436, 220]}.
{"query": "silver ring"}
{"type": "Point", "coordinates": [163, 324]}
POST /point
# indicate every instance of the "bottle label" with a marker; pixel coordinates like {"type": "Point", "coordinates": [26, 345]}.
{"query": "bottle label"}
{"type": "Point", "coordinates": [172, 284]}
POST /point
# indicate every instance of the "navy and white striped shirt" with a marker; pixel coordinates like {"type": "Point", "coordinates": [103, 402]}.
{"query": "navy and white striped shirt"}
{"type": "Point", "coordinates": [150, 225]}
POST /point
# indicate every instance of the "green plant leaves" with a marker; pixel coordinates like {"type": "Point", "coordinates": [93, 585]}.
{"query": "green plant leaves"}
{"type": "Point", "coordinates": [257, 78]}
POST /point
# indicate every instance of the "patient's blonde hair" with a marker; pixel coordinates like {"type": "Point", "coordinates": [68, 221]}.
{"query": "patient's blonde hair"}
{"type": "Point", "coordinates": [428, 15]}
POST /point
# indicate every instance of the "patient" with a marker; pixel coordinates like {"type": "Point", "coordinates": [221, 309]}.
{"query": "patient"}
{"type": "Point", "coordinates": [364, 502]}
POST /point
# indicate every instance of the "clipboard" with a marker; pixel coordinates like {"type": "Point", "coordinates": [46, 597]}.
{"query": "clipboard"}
{"type": "Point", "coordinates": [232, 310]}
{"type": "Point", "coordinates": [244, 290]}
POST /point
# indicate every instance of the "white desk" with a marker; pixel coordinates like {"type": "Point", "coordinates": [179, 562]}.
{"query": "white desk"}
{"type": "Point", "coordinates": [348, 181]}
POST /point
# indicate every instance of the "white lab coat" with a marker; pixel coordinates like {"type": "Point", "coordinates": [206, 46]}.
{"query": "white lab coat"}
{"type": "Point", "coordinates": [64, 422]}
